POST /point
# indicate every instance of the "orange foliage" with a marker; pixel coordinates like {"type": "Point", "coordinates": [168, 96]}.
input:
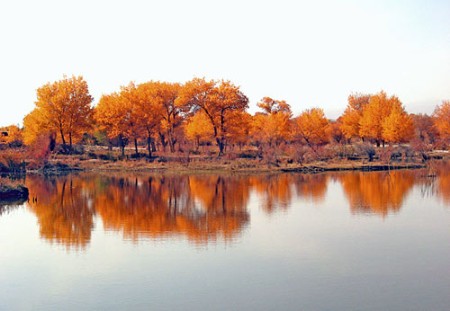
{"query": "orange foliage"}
{"type": "Point", "coordinates": [312, 127]}
{"type": "Point", "coordinates": [273, 126]}
{"type": "Point", "coordinates": [350, 122]}
{"type": "Point", "coordinates": [218, 100]}
{"type": "Point", "coordinates": [442, 120]}
{"type": "Point", "coordinates": [62, 107]}
{"type": "Point", "coordinates": [11, 135]}
{"type": "Point", "coordinates": [398, 126]}
{"type": "Point", "coordinates": [378, 108]}
{"type": "Point", "coordinates": [199, 128]}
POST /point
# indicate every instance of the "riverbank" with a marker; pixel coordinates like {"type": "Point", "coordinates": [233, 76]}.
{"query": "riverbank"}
{"type": "Point", "coordinates": [222, 165]}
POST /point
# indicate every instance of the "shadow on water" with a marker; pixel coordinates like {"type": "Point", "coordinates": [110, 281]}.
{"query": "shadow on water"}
{"type": "Point", "coordinates": [204, 208]}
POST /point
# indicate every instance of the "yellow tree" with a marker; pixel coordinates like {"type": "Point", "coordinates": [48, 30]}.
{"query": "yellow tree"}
{"type": "Point", "coordinates": [199, 128]}
{"type": "Point", "coordinates": [218, 100]}
{"type": "Point", "coordinates": [62, 107]}
{"type": "Point", "coordinates": [312, 127]}
{"type": "Point", "coordinates": [239, 126]}
{"type": "Point", "coordinates": [34, 126]}
{"type": "Point", "coordinates": [374, 113]}
{"type": "Point", "coordinates": [109, 114]}
{"type": "Point", "coordinates": [350, 119]}
{"type": "Point", "coordinates": [11, 135]}
{"type": "Point", "coordinates": [398, 126]}
{"type": "Point", "coordinates": [150, 108]}
{"type": "Point", "coordinates": [172, 111]}
{"type": "Point", "coordinates": [441, 117]}
{"type": "Point", "coordinates": [272, 126]}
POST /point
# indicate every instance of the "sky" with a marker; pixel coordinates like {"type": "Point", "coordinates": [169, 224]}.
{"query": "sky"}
{"type": "Point", "coordinates": [309, 53]}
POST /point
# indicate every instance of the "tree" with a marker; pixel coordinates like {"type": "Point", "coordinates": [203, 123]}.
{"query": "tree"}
{"type": "Point", "coordinates": [350, 120]}
{"type": "Point", "coordinates": [218, 100]}
{"type": "Point", "coordinates": [371, 122]}
{"type": "Point", "coordinates": [171, 111]}
{"type": "Point", "coordinates": [272, 126]}
{"type": "Point", "coordinates": [312, 127]}
{"type": "Point", "coordinates": [150, 108]}
{"type": "Point", "coordinates": [398, 126]}
{"type": "Point", "coordinates": [199, 128]}
{"type": "Point", "coordinates": [239, 126]}
{"type": "Point", "coordinates": [424, 127]}
{"type": "Point", "coordinates": [109, 114]}
{"type": "Point", "coordinates": [62, 107]}
{"type": "Point", "coordinates": [11, 135]}
{"type": "Point", "coordinates": [441, 117]}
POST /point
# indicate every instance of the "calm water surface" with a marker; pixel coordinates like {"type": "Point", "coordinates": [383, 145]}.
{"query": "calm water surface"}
{"type": "Point", "coordinates": [343, 241]}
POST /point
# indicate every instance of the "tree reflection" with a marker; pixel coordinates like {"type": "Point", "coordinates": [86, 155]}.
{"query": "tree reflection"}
{"type": "Point", "coordinates": [278, 190]}
{"type": "Point", "coordinates": [203, 208]}
{"type": "Point", "coordinates": [63, 206]}
{"type": "Point", "coordinates": [377, 192]}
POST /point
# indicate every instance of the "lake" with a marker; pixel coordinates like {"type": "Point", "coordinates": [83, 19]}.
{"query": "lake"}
{"type": "Point", "coordinates": [141, 241]}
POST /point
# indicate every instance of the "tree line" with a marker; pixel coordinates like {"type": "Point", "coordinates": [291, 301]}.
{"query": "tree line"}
{"type": "Point", "coordinates": [167, 116]}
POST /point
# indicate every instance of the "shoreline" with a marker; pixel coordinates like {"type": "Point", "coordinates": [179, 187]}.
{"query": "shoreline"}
{"type": "Point", "coordinates": [94, 166]}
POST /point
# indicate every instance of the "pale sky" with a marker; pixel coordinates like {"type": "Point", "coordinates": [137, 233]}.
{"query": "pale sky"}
{"type": "Point", "coordinates": [309, 53]}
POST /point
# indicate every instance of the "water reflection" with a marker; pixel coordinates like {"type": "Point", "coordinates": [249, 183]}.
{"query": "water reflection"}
{"type": "Point", "coordinates": [378, 192]}
{"type": "Point", "coordinates": [204, 208]}
{"type": "Point", "coordinates": [63, 206]}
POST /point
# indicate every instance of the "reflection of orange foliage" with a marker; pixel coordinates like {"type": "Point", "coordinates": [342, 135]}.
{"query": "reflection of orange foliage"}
{"type": "Point", "coordinates": [377, 192]}
{"type": "Point", "coordinates": [63, 208]}
{"type": "Point", "coordinates": [278, 189]}
{"type": "Point", "coordinates": [169, 205]}
{"type": "Point", "coordinates": [200, 207]}
{"type": "Point", "coordinates": [444, 181]}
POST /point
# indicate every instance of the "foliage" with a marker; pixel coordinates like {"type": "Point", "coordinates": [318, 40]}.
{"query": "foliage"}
{"type": "Point", "coordinates": [62, 107]}
{"type": "Point", "coordinates": [218, 100]}
{"type": "Point", "coordinates": [350, 120]}
{"type": "Point", "coordinates": [442, 120]}
{"type": "Point", "coordinates": [312, 127]}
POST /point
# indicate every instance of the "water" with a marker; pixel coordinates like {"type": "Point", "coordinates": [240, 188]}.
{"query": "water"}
{"type": "Point", "coordinates": [341, 241]}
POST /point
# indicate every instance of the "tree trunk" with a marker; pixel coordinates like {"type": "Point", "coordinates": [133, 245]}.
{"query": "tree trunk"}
{"type": "Point", "coordinates": [162, 138]}
{"type": "Point", "coordinates": [122, 145]}
{"type": "Point", "coordinates": [70, 143]}
{"type": "Point", "coordinates": [136, 147]}
{"type": "Point", "coordinates": [149, 146]}
{"type": "Point", "coordinates": [62, 136]}
{"type": "Point", "coordinates": [221, 144]}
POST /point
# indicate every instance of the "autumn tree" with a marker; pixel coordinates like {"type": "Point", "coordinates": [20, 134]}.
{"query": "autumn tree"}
{"type": "Point", "coordinates": [239, 128]}
{"type": "Point", "coordinates": [425, 131]}
{"type": "Point", "coordinates": [62, 107]}
{"type": "Point", "coordinates": [441, 117]}
{"type": "Point", "coordinates": [350, 120]}
{"type": "Point", "coordinates": [111, 116]}
{"type": "Point", "coordinates": [218, 100]}
{"type": "Point", "coordinates": [312, 127]}
{"type": "Point", "coordinates": [335, 131]}
{"type": "Point", "coordinates": [374, 113]}
{"type": "Point", "coordinates": [398, 126]}
{"type": "Point", "coordinates": [272, 126]}
{"type": "Point", "coordinates": [150, 108]}
{"type": "Point", "coordinates": [11, 135]}
{"type": "Point", "coordinates": [199, 128]}
{"type": "Point", "coordinates": [172, 112]}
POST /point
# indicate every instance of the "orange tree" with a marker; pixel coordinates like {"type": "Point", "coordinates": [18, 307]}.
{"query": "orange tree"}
{"type": "Point", "coordinates": [350, 119]}
{"type": "Point", "coordinates": [312, 127]}
{"type": "Point", "coordinates": [272, 126]}
{"type": "Point", "coordinates": [374, 113]}
{"type": "Point", "coordinates": [62, 107]}
{"type": "Point", "coordinates": [441, 117]}
{"type": "Point", "coordinates": [218, 100]}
